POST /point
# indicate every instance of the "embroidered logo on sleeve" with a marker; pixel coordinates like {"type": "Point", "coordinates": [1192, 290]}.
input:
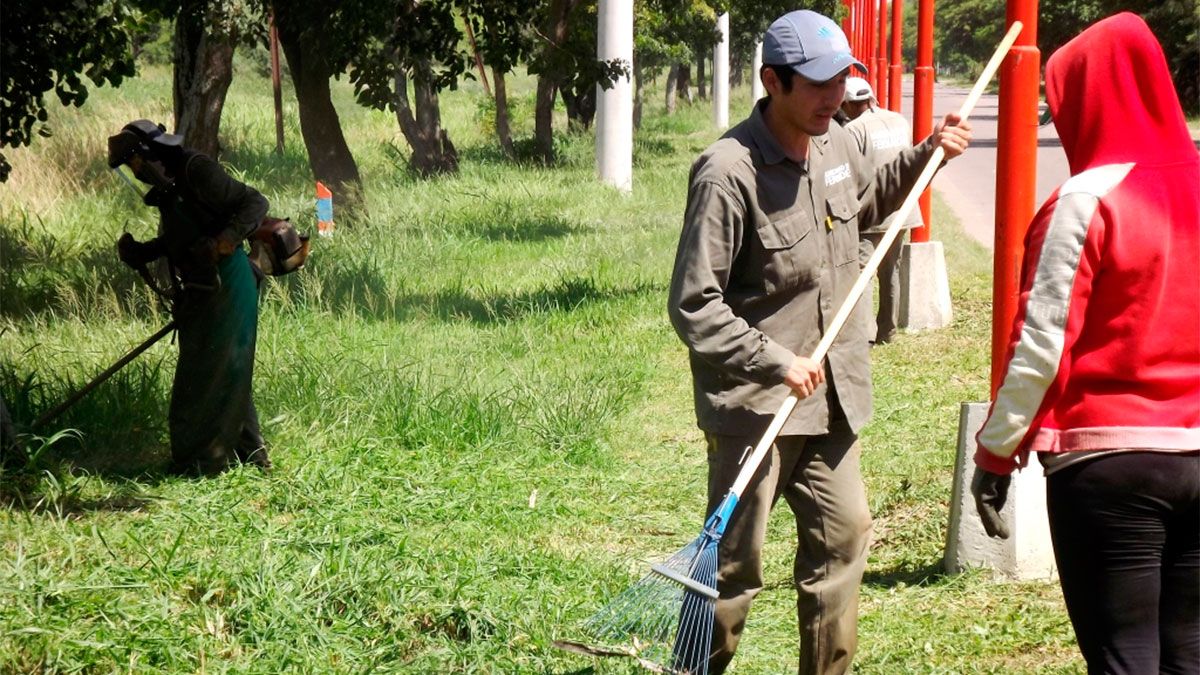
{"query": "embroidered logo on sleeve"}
{"type": "Point", "coordinates": [837, 175]}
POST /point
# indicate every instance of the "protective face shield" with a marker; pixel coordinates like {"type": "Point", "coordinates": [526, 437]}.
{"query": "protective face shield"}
{"type": "Point", "coordinates": [142, 144]}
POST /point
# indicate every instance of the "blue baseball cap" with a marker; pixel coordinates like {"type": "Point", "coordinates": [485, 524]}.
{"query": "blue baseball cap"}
{"type": "Point", "coordinates": [812, 44]}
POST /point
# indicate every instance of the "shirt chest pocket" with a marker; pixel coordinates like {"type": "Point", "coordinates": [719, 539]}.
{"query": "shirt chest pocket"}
{"type": "Point", "coordinates": [842, 211]}
{"type": "Point", "coordinates": [791, 254]}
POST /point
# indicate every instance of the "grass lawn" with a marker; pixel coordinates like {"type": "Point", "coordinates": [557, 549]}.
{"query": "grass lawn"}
{"type": "Point", "coordinates": [480, 418]}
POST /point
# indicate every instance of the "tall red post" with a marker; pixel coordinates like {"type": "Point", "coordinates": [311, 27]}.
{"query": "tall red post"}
{"type": "Point", "coordinates": [881, 54]}
{"type": "Point", "coordinates": [853, 34]}
{"type": "Point", "coordinates": [1016, 174]}
{"type": "Point", "coordinates": [869, 36]}
{"type": "Point", "coordinates": [896, 69]}
{"type": "Point", "coordinates": [848, 6]}
{"type": "Point", "coordinates": [923, 100]}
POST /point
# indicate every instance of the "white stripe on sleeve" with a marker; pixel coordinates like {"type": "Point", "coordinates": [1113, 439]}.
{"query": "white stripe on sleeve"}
{"type": "Point", "coordinates": [1039, 349]}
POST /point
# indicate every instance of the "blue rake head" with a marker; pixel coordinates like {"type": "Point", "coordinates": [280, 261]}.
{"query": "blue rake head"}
{"type": "Point", "coordinates": [667, 617]}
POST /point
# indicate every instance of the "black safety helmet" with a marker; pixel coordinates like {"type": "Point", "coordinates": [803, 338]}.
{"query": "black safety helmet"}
{"type": "Point", "coordinates": [142, 137]}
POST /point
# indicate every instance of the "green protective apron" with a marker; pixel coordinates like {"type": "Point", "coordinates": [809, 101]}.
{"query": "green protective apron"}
{"type": "Point", "coordinates": [212, 419]}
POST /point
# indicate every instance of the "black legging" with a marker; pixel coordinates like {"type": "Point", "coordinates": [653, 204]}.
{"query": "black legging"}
{"type": "Point", "coordinates": [1126, 532]}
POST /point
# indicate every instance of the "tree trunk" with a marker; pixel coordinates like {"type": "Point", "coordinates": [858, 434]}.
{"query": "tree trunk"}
{"type": "Point", "coordinates": [684, 83]}
{"type": "Point", "coordinates": [638, 91]}
{"type": "Point", "coordinates": [203, 71]}
{"type": "Point", "coordinates": [581, 107]}
{"type": "Point", "coordinates": [672, 83]}
{"type": "Point", "coordinates": [503, 127]}
{"type": "Point", "coordinates": [433, 153]}
{"type": "Point", "coordinates": [701, 81]}
{"type": "Point", "coordinates": [543, 118]}
{"type": "Point", "coordinates": [557, 24]}
{"type": "Point", "coordinates": [328, 155]}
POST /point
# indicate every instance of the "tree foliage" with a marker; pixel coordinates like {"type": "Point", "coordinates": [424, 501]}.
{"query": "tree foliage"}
{"type": "Point", "coordinates": [52, 45]}
{"type": "Point", "coordinates": [966, 32]}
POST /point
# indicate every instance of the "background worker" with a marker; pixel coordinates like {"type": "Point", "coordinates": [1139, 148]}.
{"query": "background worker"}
{"type": "Point", "coordinates": [204, 217]}
{"type": "Point", "coordinates": [880, 135]}
{"type": "Point", "coordinates": [1102, 375]}
{"type": "Point", "coordinates": [768, 252]}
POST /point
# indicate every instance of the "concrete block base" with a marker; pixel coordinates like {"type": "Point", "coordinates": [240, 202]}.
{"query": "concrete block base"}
{"type": "Point", "coordinates": [1027, 553]}
{"type": "Point", "coordinates": [924, 287]}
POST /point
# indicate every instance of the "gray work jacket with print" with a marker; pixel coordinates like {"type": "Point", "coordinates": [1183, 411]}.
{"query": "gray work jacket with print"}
{"type": "Point", "coordinates": [880, 135]}
{"type": "Point", "coordinates": [768, 252]}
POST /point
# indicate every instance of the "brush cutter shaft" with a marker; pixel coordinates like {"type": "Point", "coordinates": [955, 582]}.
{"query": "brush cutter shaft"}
{"type": "Point", "coordinates": [868, 272]}
{"type": "Point", "coordinates": [108, 372]}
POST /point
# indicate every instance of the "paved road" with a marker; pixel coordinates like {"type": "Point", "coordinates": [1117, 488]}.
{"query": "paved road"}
{"type": "Point", "coordinates": [968, 183]}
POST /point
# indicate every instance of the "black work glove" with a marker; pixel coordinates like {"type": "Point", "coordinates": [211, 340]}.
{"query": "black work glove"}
{"type": "Point", "coordinates": [991, 492]}
{"type": "Point", "coordinates": [135, 253]}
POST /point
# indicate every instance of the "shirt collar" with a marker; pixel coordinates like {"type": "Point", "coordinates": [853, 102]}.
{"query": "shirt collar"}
{"type": "Point", "coordinates": [772, 152]}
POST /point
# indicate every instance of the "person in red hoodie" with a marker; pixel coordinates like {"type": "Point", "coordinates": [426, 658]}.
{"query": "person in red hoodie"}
{"type": "Point", "coordinates": [1102, 375]}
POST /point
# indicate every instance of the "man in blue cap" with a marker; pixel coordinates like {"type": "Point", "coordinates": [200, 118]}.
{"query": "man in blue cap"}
{"type": "Point", "coordinates": [768, 252]}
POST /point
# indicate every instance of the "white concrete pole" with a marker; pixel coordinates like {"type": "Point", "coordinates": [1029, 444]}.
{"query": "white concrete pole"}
{"type": "Point", "coordinates": [614, 106]}
{"type": "Point", "coordinates": [756, 87]}
{"type": "Point", "coordinates": [720, 83]}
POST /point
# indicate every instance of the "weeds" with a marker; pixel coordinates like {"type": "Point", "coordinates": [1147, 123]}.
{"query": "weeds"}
{"type": "Point", "coordinates": [480, 419]}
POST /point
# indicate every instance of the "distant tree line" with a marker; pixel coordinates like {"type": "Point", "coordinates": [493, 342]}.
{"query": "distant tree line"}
{"type": "Point", "coordinates": [400, 54]}
{"type": "Point", "coordinates": [966, 32]}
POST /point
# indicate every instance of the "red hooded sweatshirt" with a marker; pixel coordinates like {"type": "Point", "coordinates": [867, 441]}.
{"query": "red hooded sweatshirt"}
{"type": "Point", "coordinates": [1105, 349]}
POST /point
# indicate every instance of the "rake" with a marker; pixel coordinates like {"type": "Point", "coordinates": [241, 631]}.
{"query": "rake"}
{"type": "Point", "coordinates": [666, 619]}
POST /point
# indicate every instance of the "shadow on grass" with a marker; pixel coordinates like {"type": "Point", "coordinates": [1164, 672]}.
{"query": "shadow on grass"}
{"type": "Point", "coordinates": [645, 149]}
{"type": "Point", "coordinates": [905, 574]}
{"type": "Point", "coordinates": [118, 430]}
{"type": "Point", "coordinates": [360, 288]}
{"type": "Point", "coordinates": [568, 151]}
{"type": "Point", "coordinates": [38, 273]}
{"type": "Point", "coordinates": [59, 493]}
{"type": "Point", "coordinates": [272, 172]}
{"type": "Point", "coordinates": [567, 295]}
{"type": "Point", "coordinates": [526, 228]}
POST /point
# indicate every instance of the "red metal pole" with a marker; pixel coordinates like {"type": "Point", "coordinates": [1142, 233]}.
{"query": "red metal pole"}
{"type": "Point", "coordinates": [881, 54]}
{"type": "Point", "coordinates": [1016, 174]}
{"type": "Point", "coordinates": [896, 69]}
{"type": "Point", "coordinates": [869, 29]}
{"type": "Point", "coordinates": [923, 99]}
{"type": "Point", "coordinates": [862, 31]}
{"type": "Point", "coordinates": [847, 22]}
{"type": "Point", "coordinates": [853, 34]}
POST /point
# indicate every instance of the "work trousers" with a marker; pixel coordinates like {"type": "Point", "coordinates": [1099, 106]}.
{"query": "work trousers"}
{"type": "Point", "coordinates": [212, 419]}
{"type": "Point", "coordinates": [1126, 534]}
{"type": "Point", "coordinates": [819, 478]}
{"type": "Point", "coordinates": [886, 318]}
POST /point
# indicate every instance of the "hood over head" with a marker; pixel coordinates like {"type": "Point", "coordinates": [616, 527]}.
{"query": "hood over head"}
{"type": "Point", "coordinates": [1111, 95]}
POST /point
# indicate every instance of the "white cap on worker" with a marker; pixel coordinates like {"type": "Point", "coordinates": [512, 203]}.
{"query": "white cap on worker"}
{"type": "Point", "coordinates": [858, 89]}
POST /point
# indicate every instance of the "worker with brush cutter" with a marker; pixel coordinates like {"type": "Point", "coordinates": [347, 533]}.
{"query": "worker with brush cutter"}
{"type": "Point", "coordinates": [1102, 372]}
{"type": "Point", "coordinates": [768, 251]}
{"type": "Point", "coordinates": [204, 217]}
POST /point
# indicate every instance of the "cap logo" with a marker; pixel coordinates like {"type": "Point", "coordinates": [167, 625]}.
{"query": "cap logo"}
{"type": "Point", "coordinates": [824, 32]}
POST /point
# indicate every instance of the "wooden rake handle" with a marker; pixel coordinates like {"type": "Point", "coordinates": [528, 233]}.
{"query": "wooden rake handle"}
{"type": "Point", "coordinates": [868, 272]}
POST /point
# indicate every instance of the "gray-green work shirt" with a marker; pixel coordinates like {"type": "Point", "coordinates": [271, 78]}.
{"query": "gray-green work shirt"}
{"type": "Point", "coordinates": [768, 252]}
